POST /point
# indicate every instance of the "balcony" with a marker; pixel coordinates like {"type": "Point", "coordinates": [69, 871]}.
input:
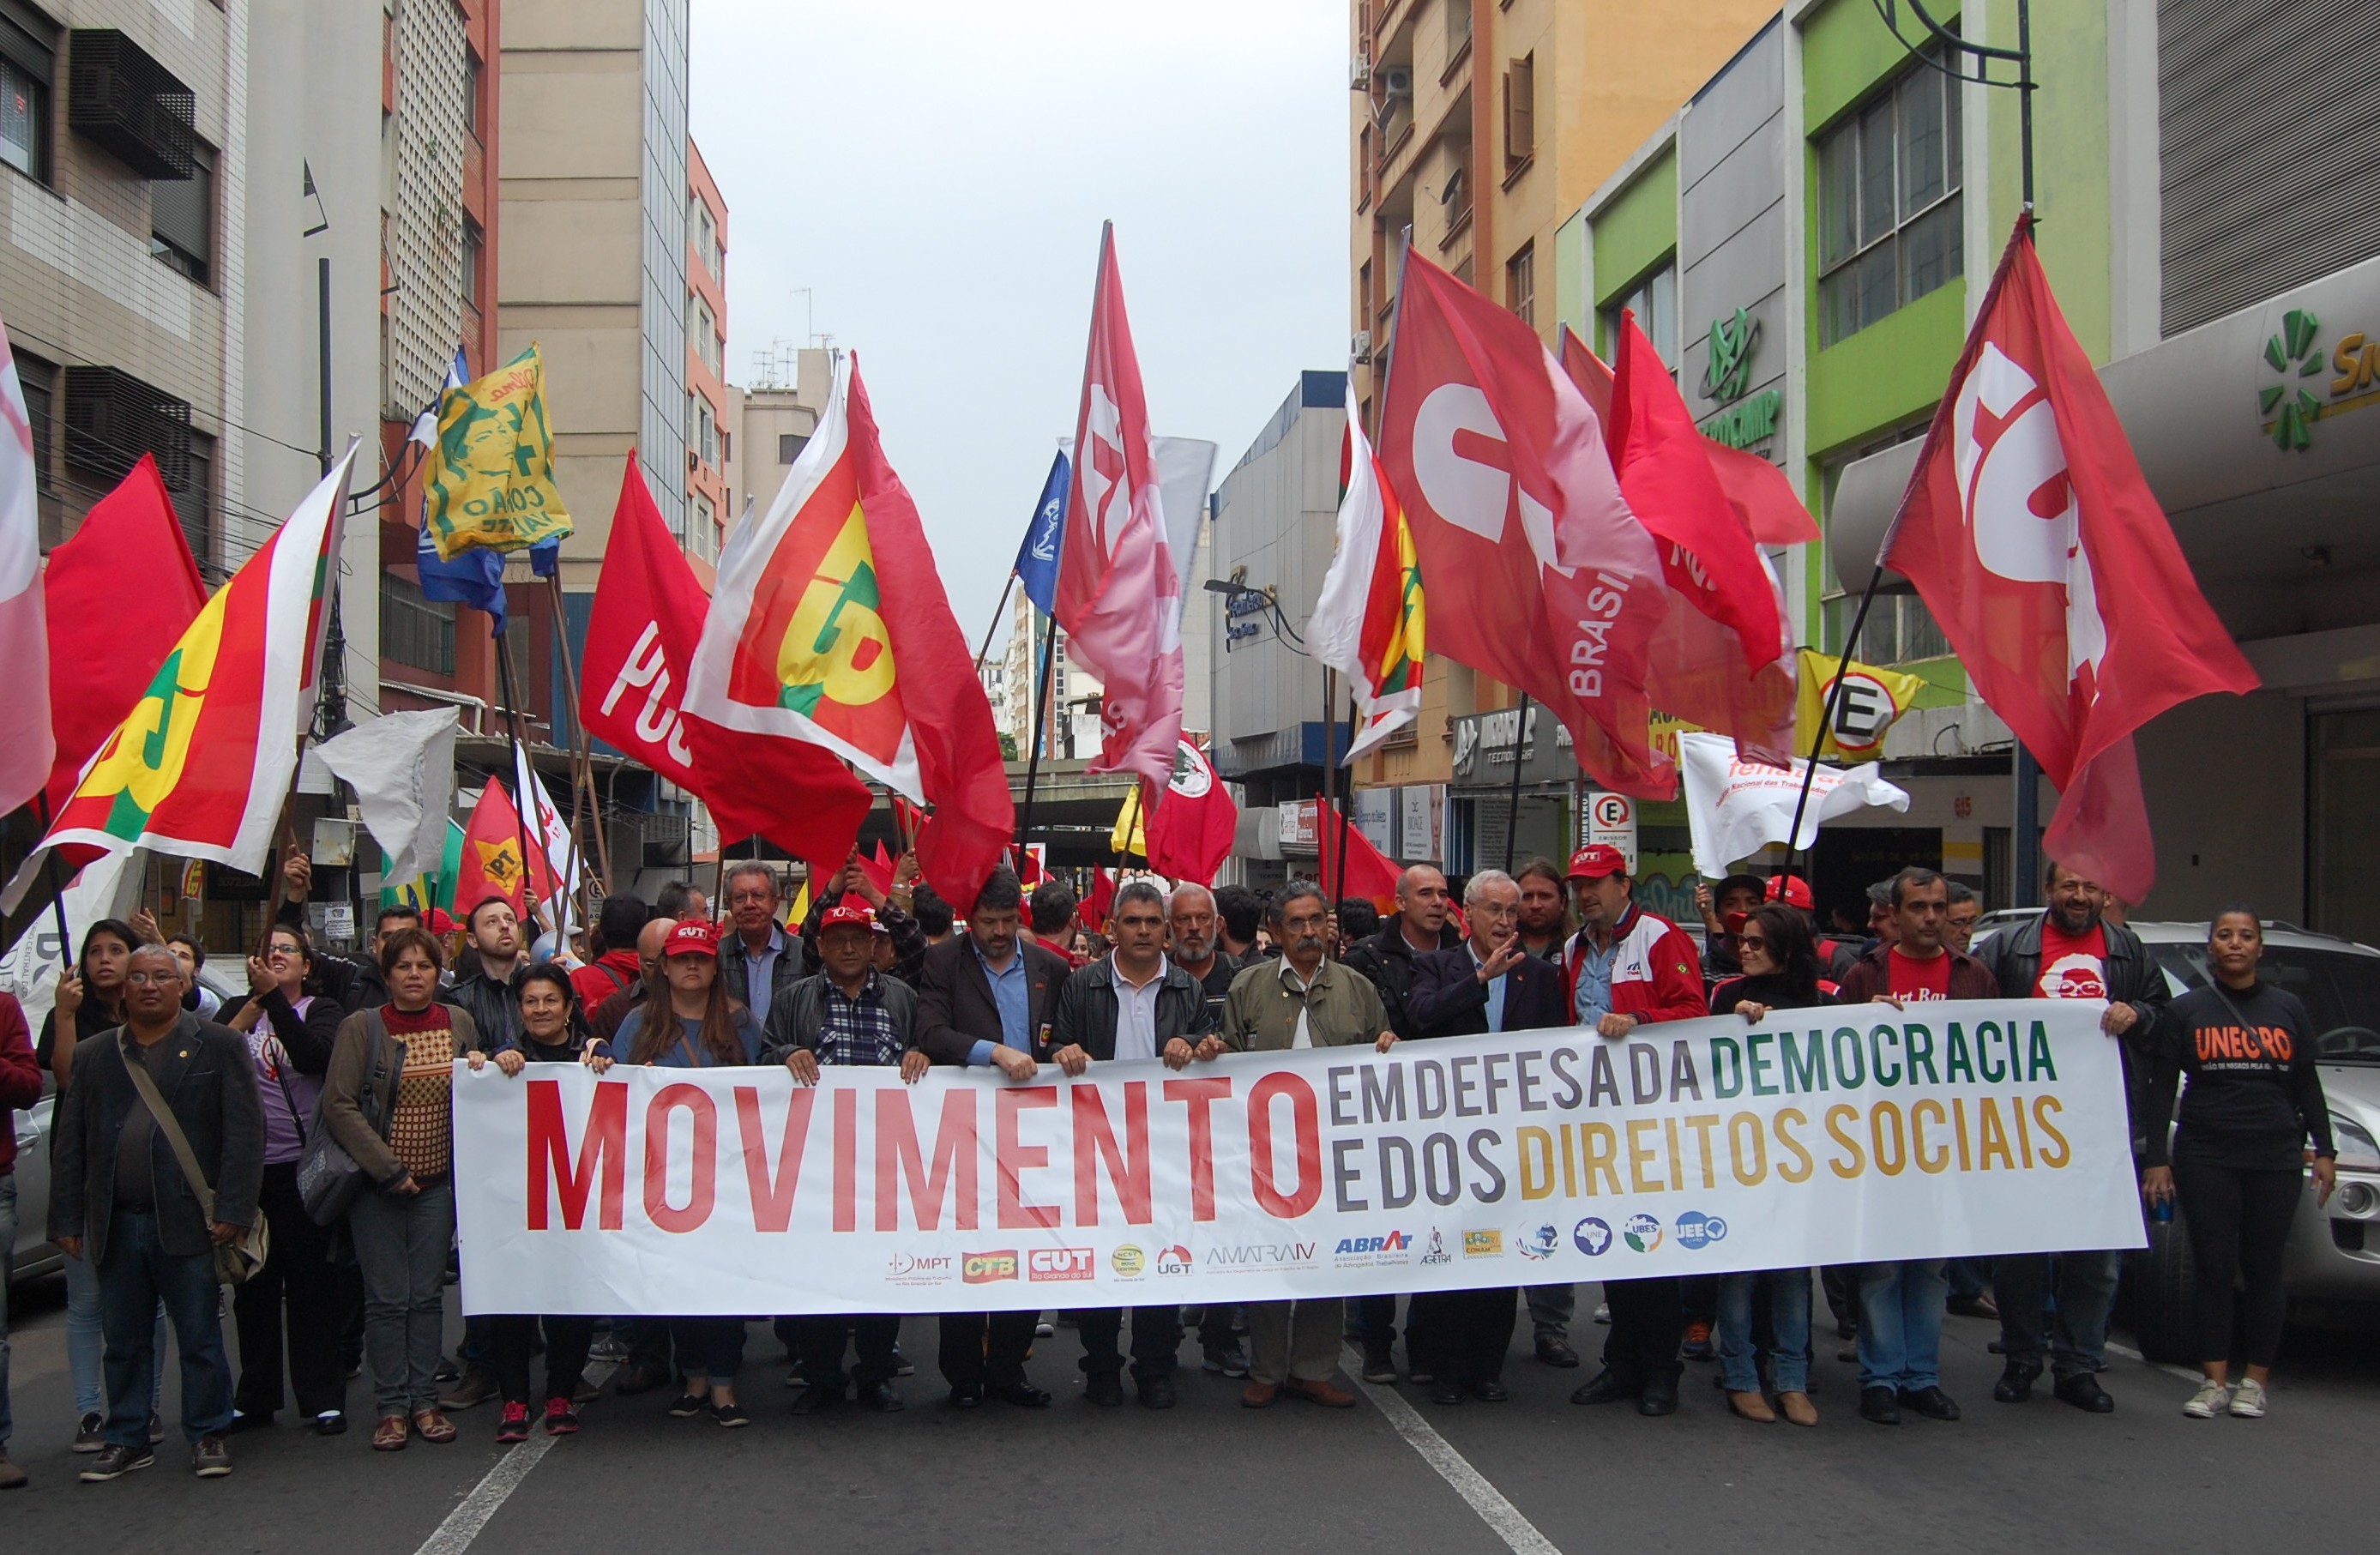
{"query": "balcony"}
{"type": "Point", "coordinates": [124, 100]}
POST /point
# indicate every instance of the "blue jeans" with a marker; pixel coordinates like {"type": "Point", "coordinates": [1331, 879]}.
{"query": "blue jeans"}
{"type": "Point", "coordinates": [136, 1274]}
{"type": "Point", "coordinates": [87, 1347]}
{"type": "Point", "coordinates": [710, 1348]}
{"type": "Point", "coordinates": [2085, 1286]}
{"type": "Point", "coordinates": [1901, 1324]}
{"type": "Point", "coordinates": [7, 1249]}
{"type": "Point", "coordinates": [1789, 1322]}
{"type": "Point", "coordinates": [1550, 1309]}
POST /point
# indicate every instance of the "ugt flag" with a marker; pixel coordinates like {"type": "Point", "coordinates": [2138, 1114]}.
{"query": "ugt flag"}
{"type": "Point", "coordinates": [1037, 558]}
{"type": "Point", "coordinates": [201, 765]}
{"type": "Point", "coordinates": [829, 626]}
{"type": "Point", "coordinates": [492, 470]}
{"type": "Point", "coordinates": [1367, 621]}
{"type": "Point", "coordinates": [2032, 535]}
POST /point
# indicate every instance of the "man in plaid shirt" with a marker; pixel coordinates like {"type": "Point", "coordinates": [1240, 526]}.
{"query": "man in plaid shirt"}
{"type": "Point", "coordinates": [849, 1014]}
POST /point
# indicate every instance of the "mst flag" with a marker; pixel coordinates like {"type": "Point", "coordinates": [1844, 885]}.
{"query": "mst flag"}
{"type": "Point", "coordinates": [830, 627]}
{"type": "Point", "coordinates": [27, 745]}
{"type": "Point", "coordinates": [1119, 582]}
{"type": "Point", "coordinates": [1540, 576]}
{"type": "Point", "coordinates": [201, 764]}
{"type": "Point", "coordinates": [2033, 538]}
{"type": "Point", "coordinates": [1368, 623]}
{"type": "Point", "coordinates": [1189, 836]}
{"type": "Point", "coordinates": [492, 470]}
{"type": "Point", "coordinates": [641, 634]}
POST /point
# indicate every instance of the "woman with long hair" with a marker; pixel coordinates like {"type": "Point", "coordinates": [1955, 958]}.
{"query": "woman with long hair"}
{"type": "Point", "coordinates": [89, 1001]}
{"type": "Point", "coordinates": [2237, 1160]}
{"type": "Point", "coordinates": [552, 1031]}
{"type": "Point", "coordinates": [291, 1028]}
{"type": "Point", "coordinates": [1779, 956]}
{"type": "Point", "coordinates": [703, 1028]}
{"type": "Point", "coordinates": [389, 1100]}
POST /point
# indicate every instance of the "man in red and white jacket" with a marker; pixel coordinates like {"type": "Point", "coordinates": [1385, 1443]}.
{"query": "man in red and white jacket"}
{"type": "Point", "coordinates": [1627, 968]}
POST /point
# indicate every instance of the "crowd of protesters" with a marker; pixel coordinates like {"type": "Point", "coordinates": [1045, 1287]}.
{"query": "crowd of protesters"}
{"type": "Point", "coordinates": [156, 1087]}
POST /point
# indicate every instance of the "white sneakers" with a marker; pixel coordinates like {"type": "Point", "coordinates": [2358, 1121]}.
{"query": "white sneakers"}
{"type": "Point", "coordinates": [2244, 1403]}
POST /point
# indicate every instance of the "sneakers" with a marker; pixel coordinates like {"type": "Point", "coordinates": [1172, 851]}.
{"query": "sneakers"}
{"type": "Point", "coordinates": [1227, 1358]}
{"type": "Point", "coordinates": [2248, 1400]}
{"type": "Point", "coordinates": [115, 1461]}
{"type": "Point", "coordinates": [1379, 1365]}
{"type": "Point", "coordinates": [90, 1433]}
{"type": "Point", "coordinates": [2211, 1400]}
{"type": "Point", "coordinates": [210, 1459]}
{"type": "Point", "coordinates": [727, 1417]}
{"type": "Point", "coordinates": [514, 1426]}
{"type": "Point", "coordinates": [11, 1477]}
{"type": "Point", "coordinates": [1697, 1346]}
{"type": "Point", "coordinates": [560, 1418]}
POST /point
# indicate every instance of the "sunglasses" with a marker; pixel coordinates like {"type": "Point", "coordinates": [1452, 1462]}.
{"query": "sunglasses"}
{"type": "Point", "coordinates": [1752, 941]}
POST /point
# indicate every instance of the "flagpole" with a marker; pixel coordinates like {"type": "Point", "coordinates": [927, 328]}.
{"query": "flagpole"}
{"type": "Point", "coordinates": [1346, 809]}
{"type": "Point", "coordinates": [1040, 708]}
{"type": "Point", "coordinates": [994, 630]}
{"type": "Point", "coordinates": [521, 802]}
{"type": "Point", "coordinates": [57, 887]}
{"type": "Point", "coordinates": [1513, 822]}
{"type": "Point", "coordinates": [1828, 708]}
{"type": "Point", "coordinates": [582, 765]}
{"type": "Point", "coordinates": [1329, 773]}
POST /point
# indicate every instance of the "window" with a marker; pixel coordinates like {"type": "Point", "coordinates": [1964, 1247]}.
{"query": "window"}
{"type": "Point", "coordinates": [194, 502]}
{"type": "Point", "coordinates": [789, 446]}
{"type": "Point", "coordinates": [474, 83]}
{"type": "Point", "coordinates": [708, 439]}
{"type": "Point", "coordinates": [1520, 110]}
{"type": "Point", "coordinates": [1888, 209]}
{"type": "Point", "coordinates": [703, 330]}
{"type": "Point", "coordinates": [1655, 303]}
{"type": "Point", "coordinates": [474, 243]}
{"type": "Point", "coordinates": [726, 456]}
{"type": "Point", "coordinates": [414, 630]}
{"type": "Point", "coordinates": [1520, 283]}
{"type": "Point", "coordinates": [182, 220]}
{"type": "Point", "coordinates": [28, 46]}
{"type": "Point", "coordinates": [1458, 29]}
{"type": "Point", "coordinates": [36, 377]}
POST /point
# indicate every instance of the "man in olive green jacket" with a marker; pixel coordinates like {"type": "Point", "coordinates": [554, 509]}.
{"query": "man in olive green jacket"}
{"type": "Point", "coordinates": [1300, 1001]}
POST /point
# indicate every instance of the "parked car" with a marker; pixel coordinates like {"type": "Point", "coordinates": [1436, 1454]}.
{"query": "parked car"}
{"type": "Point", "coordinates": [2334, 1253]}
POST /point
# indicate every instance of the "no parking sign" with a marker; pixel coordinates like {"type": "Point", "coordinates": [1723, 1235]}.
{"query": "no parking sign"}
{"type": "Point", "coordinates": [1609, 821]}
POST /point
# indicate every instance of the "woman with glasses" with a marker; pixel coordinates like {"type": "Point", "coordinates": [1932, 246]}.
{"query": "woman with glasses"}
{"type": "Point", "coordinates": [1780, 958]}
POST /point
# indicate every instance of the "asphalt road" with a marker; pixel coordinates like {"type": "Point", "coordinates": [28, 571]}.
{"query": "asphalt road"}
{"type": "Point", "coordinates": [1529, 1475]}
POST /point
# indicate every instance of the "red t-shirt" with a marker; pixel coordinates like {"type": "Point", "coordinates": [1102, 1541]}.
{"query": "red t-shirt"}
{"type": "Point", "coordinates": [1917, 978]}
{"type": "Point", "coordinates": [2072, 965]}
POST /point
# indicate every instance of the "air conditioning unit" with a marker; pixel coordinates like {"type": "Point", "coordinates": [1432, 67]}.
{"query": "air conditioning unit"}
{"type": "Point", "coordinates": [1360, 347]}
{"type": "Point", "coordinates": [666, 842]}
{"type": "Point", "coordinates": [1359, 74]}
{"type": "Point", "coordinates": [112, 417]}
{"type": "Point", "coordinates": [124, 101]}
{"type": "Point", "coordinates": [1396, 80]}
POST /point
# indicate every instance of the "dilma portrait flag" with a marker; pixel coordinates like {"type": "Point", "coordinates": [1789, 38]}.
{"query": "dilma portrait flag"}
{"type": "Point", "coordinates": [201, 765]}
{"type": "Point", "coordinates": [492, 470]}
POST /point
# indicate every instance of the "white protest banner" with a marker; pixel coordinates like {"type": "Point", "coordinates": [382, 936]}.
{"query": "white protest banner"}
{"type": "Point", "coordinates": [1734, 807]}
{"type": "Point", "coordinates": [402, 768]}
{"type": "Point", "coordinates": [1820, 1136]}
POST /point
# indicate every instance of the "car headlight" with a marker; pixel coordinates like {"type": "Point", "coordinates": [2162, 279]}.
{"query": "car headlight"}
{"type": "Point", "coordinates": [2357, 1149]}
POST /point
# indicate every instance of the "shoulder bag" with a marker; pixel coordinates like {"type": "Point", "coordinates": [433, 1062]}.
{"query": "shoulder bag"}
{"type": "Point", "coordinates": [237, 1261]}
{"type": "Point", "coordinates": [328, 1177]}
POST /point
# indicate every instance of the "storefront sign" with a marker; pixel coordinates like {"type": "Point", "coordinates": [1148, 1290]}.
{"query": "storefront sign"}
{"type": "Point", "coordinates": [1421, 823]}
{"type": "Point", "coordinates": [1297, 824]}
{"type": "Point", "coordinates": [1726, 375]}
{"type": "Point", "coordinates": [2347, 373]}
{"type": "Point", "coordinates": [1484, 744]}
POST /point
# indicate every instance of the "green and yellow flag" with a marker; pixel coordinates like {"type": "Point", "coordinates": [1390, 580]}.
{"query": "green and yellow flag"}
{"type": "Point", "coordinates": [490, 483]}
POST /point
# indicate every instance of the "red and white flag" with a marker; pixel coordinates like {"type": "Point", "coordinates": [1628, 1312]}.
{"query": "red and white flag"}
{"type": "Point", "coordinates": [2036, 541]}
{"type": "Point", "coordinates": [27, 746]}
{"type": "Point", "coordinates": [1189, 836]}
{"type": "Point", "coordinates": [1538, 574]}
{"type": "Point", "coordinates": [1368, 622]}
{"type": "Point", "coordinates": [641, 634]}
{"type": "Point", "coordinates": [1119, 585]}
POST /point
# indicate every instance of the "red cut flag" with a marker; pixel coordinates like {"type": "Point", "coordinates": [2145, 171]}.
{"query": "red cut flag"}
{"type": "Point", "coordinates": [491, 855]}
{"type": "Point", "coordinates": [1364, 871]}
{"type": "Point", "coordinates": [1119, 591]}
{"type": "Point", "coordinates": [26, 744]}
{"type": "Point", "coordinates": [2034, 540]}
{"type": "Point", "coordinates": [102, 656]}
{"type": "Point", "coordinates": [830, 628]}
{"type": "Point", "coordinates": [1189, 834]}
{"type": "Point", "coordinates": [1538, 574]}
{"type": "Point", "coordinates": [640, 638]}
{"type": "Point", "coordinates": [1761, 496]}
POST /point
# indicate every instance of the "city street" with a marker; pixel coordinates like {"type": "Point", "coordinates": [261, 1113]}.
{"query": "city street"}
{"type": "Point", "coordinates": [1535, 1473]}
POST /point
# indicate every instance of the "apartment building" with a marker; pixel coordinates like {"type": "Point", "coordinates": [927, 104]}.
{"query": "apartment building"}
{"type": "Point", "coordinates": [709, 435]}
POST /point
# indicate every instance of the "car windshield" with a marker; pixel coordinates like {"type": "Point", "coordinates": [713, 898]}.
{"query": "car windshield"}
{"type": "Point", "coordinates": [2339, 989]}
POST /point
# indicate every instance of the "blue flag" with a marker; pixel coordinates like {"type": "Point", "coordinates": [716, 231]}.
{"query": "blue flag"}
{"type": "Point", "coordinates": [1037, 559]}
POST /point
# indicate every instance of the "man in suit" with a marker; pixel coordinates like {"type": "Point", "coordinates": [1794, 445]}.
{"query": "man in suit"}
{"type": "Point", "coordinates": [987, 998]}
{"type": "Point", "coordinates": [121, 1199]}
{"type": "Point", "coordinates": [1486, 984]}
{"type": "Point", "coordinates": [1132, 1004]}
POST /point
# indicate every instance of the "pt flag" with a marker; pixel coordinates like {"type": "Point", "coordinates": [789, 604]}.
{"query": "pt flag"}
{"type": "Point", "coordinates": [641, 633]}
{"type": "Point", "coordinates": [491, 865]}
{"type": "Point", "coordinates": [1369, 621]}
{"type": "Point", "coordinates": [2032, 535]}
{"type": "Point", "coordinates": [1539, 573]}
{"type": "Point", "coordinates": [201, 765]}
{"type": "Point", "coordinates": [1717, 1147]}
{"type": "Point", "coordinates": [28, 746]}
{"type": "Point", "coordinates": [102, 656]}
{"type": "Point", "coordinates": [492, 470]}
{"type": "Point", "coordinates": [830, 627]}
{"type": "Point", "coordinates": [1119, 582]}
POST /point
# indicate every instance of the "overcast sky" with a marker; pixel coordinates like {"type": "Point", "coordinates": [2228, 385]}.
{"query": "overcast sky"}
{"type": "Point", "coordinates": [935, 174]}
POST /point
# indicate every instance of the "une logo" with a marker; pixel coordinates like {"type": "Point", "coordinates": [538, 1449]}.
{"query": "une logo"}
{"type": "Point", "coordinates": [1593, 1237]}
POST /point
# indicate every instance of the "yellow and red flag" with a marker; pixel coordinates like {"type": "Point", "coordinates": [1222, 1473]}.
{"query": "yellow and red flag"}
{"type": "Point", "coordinates": [201, 764]}
{"type": "Point", "coordinates": [1368, 620]}
{"type": "Point", "coordinates": [491, 862]}
{"type": "Point", "coordinates": [829, 626]}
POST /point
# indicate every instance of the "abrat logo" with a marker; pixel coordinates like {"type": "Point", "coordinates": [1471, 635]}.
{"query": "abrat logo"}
{"type": "Point", "coordinates": [1175, 1260]}
{"type": "Point", "coordinates": [981, 1268]}
{"type": "Point", "coordinates": [1696, 1229]}
{"type": "Point", "coordinates": [1643, 1232]}
{"type": "Point", "coordinates": [1359, 1252]}
{"type": "Point", "coordinates": [1537, 1243]}
{"type": "Point", "coordinates": [1128, 1261]}
{"type": "Point", "coordinates": [1058, 1263]}
{"type": "Point", "coordinates": [1593, 1237]}
{"type": "Point", "coordinates": [1436, 1252]}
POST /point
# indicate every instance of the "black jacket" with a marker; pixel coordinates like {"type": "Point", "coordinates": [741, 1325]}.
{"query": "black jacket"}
{"type": "Point", "coordinates": [210, 1082]}
{"type": "Point", "coordinates": [1388, 961]}
{"type": "Point", "coordinates": [954, 1005]}
{"type": "Point", "coordinates": [1089, 1007]}
{"type": "Point", "coordinates": [734, 967]}
{"type": "Point", "coordinates": [494, 1007]}
{"type": "Point", "coordinates": [2014, 957]}
{"type": "Point", "coordinates": [1449, 1000]}
{"type": "Point", "coordinates": [797, 1016]}
{"type": "Point", "coordinates": [908, 938]}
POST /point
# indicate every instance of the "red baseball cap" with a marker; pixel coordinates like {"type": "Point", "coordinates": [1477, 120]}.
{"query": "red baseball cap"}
{"type": "Point", "coordinates": [1791, 889]}
{"type": "Point", "coordinates": [691, 937]}
{"type": "Point", "coordinates": [846, 911]}
{"type": "Point", "coordinates": [440, 921]}
{"type": "Point", "coordinates": [1596, 861]}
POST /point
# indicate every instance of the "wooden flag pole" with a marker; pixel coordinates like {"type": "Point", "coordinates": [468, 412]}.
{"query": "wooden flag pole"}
{"type": "Point", "coordinates": [520, 760]}
{"type": "Point", "coordinates": [582, 771]}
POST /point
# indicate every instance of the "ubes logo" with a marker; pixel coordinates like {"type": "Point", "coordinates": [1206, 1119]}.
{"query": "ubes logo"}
{"type": "Point", "coordinates": [1483, 1244]}
{"type": "Point", "coordinates": [1128, 1261]}
{"type": "Point", "coordinates": [1593, 1237]}
{"type": "Point", "coordinates": [1643, 1232]}
{"type": "Point", "coordinates": [981, 1268]}
{"type": "Point", "coordinates": [1058, 1263]}
{"type": "Point", "coordinates": [1696, 1229]}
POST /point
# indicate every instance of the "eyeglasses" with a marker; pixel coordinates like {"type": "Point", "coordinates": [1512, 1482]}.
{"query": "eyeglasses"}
{"type": "Point", "coordinates": [150, 979]}
{"type": "Point", "coordinates": [1751, 941]}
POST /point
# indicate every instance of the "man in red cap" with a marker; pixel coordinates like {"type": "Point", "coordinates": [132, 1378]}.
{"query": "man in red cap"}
{"type": "Point", "coordinates": [1626, 967]}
